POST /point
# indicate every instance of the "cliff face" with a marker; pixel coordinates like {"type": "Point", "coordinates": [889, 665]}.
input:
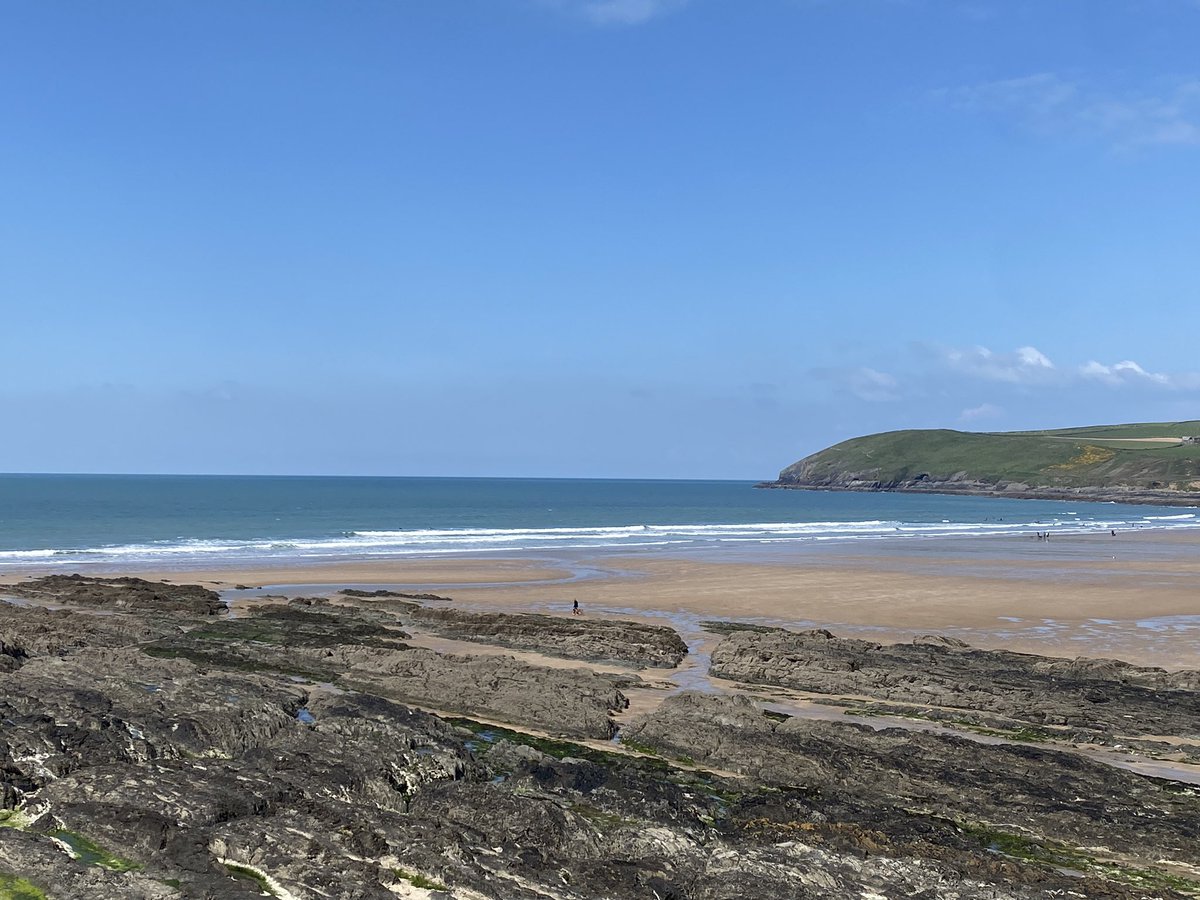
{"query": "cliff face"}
{"type": "Point", "coordinates": [1078, 464]}
{"type": "Point", "coordinates": [810, 472]}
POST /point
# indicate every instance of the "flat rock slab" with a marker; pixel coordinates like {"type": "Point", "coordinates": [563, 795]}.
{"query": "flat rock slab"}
{"type": "Point", "coordinates": [634, 644]}
{"type": "Point", "coordinates": [877, 779]}
{"type": "Point", "coordinates": [123, 594]}
{"type": "Point", "coordinates": [575, 702]}
{"type": "Point", "coordinates": [359, 650]}
{"type": "Point", "coordinates": [620, 641]}
{"type": "Point", "coordinates": [1098, 700]}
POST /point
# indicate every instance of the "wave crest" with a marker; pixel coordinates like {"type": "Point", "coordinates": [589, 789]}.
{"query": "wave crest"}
{"type": "Point", "coordinates": [431, 542]}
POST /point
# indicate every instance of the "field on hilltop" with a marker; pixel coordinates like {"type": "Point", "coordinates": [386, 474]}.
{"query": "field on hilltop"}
{"type": "Point", "coordinates": [1150, 462]}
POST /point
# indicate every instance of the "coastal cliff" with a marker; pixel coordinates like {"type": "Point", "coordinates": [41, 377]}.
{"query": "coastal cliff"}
{"type": "Point", "coordinates": [1137, 463]}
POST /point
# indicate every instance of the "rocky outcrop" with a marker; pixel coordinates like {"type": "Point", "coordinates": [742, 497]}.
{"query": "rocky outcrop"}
{"type": "Point", "coordinates": [26, 633]}
{"type": "Point", "coordinates": [620, 641]}
{"type": "Point", "coordinates": [127, 594]}
{"type": "Point", "coordinates": [139, 766]}
{"type": "Point", "coordinates": [1085, 700]}
{"type": "Point", "coordinates": [878, 780]}
{"type": "Point", "coordinates": [574, 702]}
{"type": "Point", "coordinates": [365, 650]}
{"type": "Point", "coordinates": [152, 755]}
{"type": "Point", "coordinates": [383, 592]}
{"type": "Point", "coordinates": [975, 487]}
{"type": "Point", "coordinates": [595, 640]}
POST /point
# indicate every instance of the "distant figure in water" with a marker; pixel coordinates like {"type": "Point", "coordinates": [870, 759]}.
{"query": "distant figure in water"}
{"type": "Point", "coordinates": [575, 608]}
{"type": "Point", "coordinates": [1114, 532]}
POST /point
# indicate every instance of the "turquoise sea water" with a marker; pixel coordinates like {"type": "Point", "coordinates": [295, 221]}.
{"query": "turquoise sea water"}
{"type": "Point", "coordinates": [52, 521]}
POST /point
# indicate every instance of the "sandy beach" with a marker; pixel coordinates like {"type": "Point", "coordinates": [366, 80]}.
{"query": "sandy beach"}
{"type": "Point", "coordinates": [1134, 597]}
{"type": "Point", "coordinates": [270, 674]}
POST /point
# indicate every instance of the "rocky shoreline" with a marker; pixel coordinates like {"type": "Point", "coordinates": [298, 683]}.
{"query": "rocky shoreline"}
{"type": "Point", "coordinates": [1100, 702]}
{"type": "Point", "coordinates": [157, 744]}
{"type": "Point", "coordinates": [1012, 491]}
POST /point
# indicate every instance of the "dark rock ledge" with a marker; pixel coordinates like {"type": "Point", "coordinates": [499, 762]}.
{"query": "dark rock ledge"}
{"type": "Point", "coordinates": [175, 753]}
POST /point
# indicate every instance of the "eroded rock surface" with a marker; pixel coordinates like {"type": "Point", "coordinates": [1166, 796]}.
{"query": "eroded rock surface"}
{"type": "Point", "coordinates": [26, 633]}
{"type": "Point", "coordinates": [596, 640]}
{"type": "Point", "coordinates": [635, 644]}
{"type": "Point", "coordinates": [154, 597]}
{"type": "Point", "coordinates": [181, 755]}
{"type": "Point", "coordinates": [1085, 700]}
{"type": "Point", "coordinates": [367, 650]}
{"type": "Point", "coordinates": [865, 776]}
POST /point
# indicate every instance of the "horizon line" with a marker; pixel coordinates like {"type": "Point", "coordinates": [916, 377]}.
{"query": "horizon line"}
{"type": "Point", "coordinates": [344, 475]}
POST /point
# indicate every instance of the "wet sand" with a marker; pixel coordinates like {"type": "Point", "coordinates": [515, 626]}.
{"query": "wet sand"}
{"type": "Point", "coordinates": [1133, 595]}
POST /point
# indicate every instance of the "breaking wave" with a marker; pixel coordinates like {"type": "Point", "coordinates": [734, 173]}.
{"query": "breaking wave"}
{"type": "Point", "coordinates": [430, 542]}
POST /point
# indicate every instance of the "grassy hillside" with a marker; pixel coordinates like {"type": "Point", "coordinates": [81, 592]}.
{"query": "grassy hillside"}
{"type": "Point", "coordinates": [1132, 430]}
{"type": "Point", "coordinates": [1132, 457]}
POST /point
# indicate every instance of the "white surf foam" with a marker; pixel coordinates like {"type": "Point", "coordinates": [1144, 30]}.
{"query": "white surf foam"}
{"type": "Point", "coordinates": [418, 542]}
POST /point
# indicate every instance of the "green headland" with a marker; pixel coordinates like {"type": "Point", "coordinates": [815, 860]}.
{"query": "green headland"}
{"type": "Point", "coordinates": [1149, 462]}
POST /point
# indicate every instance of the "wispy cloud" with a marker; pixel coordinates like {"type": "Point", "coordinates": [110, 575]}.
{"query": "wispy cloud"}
{"type": "Point", "coordinates": [1028, 366]}
{"type": "Point", "coordinates": [1022, 366]}
{"type": "Point", "coordinates": [617, 12]}
{"type": "Point", "coordinates": [1050, 103]}
{"type": "Point", "coordinates": [1129, 372]}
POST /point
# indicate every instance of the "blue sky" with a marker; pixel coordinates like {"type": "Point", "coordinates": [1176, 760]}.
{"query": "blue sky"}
{"type": "Point", "coordinates": [586, 237]}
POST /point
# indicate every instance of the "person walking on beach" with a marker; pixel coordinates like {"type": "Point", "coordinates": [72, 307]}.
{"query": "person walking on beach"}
{"type": "Point", "coordinates": [575, 608]}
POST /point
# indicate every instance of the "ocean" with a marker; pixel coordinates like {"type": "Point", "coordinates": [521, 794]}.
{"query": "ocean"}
{"type": "Point", "coordinates": [65, 521]}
